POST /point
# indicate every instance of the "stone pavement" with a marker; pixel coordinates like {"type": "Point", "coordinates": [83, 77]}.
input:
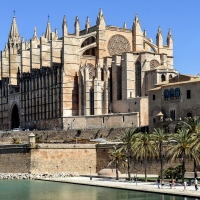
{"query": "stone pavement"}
{"type": "Point", "coordinates": [122, 184]}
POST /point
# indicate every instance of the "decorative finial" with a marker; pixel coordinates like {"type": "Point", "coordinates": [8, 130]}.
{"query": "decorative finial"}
{"type": "Point", "coordinates": [35, 32]}
{"type": "Point", "coordinates": [14, 12]}
{"type": "Point", "coordinates": [124, 25]}
{"type": "Point", "coordinates": [48, 17]}
{"type": "Point", "coordinates": [169, 31]}
{"type": "Point", "coordinates": [145, 33]}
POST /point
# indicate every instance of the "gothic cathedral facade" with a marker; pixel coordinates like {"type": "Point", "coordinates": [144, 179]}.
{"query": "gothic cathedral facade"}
{"type": "Point", "coordinates": [98, 77]}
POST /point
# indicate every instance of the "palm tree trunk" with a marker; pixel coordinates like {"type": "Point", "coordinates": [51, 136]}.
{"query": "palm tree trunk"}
{"type": "Point", "coordinates": [145, 169]}
{"type": "Point", "coordinates": [129, 160]}
{"type": "Point", "coordinates": [195, 169]}
{"type": "Point", "coordinates": [183, 169]}
{"type": "Point", "coordinates": [117, 174]}
{"type": "Point", "coordinates": [161, 161]}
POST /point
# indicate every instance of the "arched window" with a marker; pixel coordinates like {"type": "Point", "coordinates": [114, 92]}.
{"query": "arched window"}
{"type": "Point", "coordinates": [162, 77]}
{"type": "Point", "coordinates": [171, 93]}
{"type": "Point", "coordinates": [91, 102]}
{"type": "Point", "coordinates": [138, 79]}
{"type": "Point", "coordinates": [170, 76]}
{"type": "Point", "coordinates": [166, 94]}
{"type": "Point", "coordinates": [177, 92]}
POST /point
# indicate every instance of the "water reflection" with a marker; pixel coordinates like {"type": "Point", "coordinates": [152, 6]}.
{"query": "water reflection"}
{"type": "Point", "coordinates": [42, 190]}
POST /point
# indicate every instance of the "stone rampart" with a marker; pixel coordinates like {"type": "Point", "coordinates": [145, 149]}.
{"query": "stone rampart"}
{"type": "Point", "coordinates": [15, 159]}
{"type": "Point", "coordinates": [70, 158]}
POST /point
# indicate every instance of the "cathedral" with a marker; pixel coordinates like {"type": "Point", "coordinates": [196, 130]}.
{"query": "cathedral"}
{"type": "Point", "coordinates": [98, 77]}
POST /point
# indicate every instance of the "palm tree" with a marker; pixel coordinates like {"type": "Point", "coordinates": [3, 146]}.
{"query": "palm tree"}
{"type": "Point", "coordinates": [159, 137]}
{"type": "Point", "coordinates": [193, 123]}
{"type": "Point", "coordinates": [143, 149]}
{"type": "Point", "coordinates": [128, 139]}
{"type": "Point", "coordinates": [180, 145]}
{"type": "Point", "coordinates": [118, 157]}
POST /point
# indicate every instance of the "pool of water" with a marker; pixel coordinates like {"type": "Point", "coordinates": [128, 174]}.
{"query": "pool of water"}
{"type": "Point", "coordinates": [43, 190]}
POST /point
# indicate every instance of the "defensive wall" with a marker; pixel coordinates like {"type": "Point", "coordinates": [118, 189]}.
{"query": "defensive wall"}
{"type": "Point", "coordinates": [73, 158]}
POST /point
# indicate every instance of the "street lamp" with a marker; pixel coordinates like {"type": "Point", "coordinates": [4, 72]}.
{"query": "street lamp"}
{"type": "Point", "coordinates": [127, 169]}
{"type": "Point", "coordinates": [90, 174]}
{"type": "Point", "coordinates": [137, 169]}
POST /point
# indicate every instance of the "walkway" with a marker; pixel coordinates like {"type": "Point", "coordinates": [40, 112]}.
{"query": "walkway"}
{"type": "Point", "coordinates": [122, 184]}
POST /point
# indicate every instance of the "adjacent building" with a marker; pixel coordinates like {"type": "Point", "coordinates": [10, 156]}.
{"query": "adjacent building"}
{"type": "Point", "coordinates": [173, 100]}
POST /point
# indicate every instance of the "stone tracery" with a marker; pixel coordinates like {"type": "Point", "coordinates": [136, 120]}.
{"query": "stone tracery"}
{"type": "Point", "coordinates": [118, 44]}
{"type": "Point", "coordinates": [154, 64]}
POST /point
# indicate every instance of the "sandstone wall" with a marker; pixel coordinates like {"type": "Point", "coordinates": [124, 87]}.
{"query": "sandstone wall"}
{"type": "Point", "coordinates": [64, 158]}
{"type": "Point", "coordinates": [72, 158]}
{"type": "Point", "coordinates": [14, 159]}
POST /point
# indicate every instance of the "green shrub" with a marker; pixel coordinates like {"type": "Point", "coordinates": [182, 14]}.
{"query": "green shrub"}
{"type": "Point", "coordinates": [15, 141]}
{"type": "Point", "coordinates": [173, 172]}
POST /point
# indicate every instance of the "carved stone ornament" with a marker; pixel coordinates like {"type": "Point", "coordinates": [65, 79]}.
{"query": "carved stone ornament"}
{"type": "Point", "coordinates": [91, 71]}
{"type": "Point", "coordinates": [154, 64]}
{"type": "Point", "coordinates": [118, 44]}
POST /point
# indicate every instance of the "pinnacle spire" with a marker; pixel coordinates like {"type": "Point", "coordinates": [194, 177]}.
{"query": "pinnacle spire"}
{"type": "Point", "coordinates": [64, 26]}
{"type": "Point", "coordinates": [124, 25]}
{"type": "Point", "coordinates": [64, 21]}
{"type": "Point", "coordinates": [77, 26]}
{"type": "Point", "coordinates": [169, 38]}
{"type": "Point", "coordinates": [87, 25]}
{"type": "Point", "coordinates": [159, 39]}
{"type": "Point", "coordinates": [169, 32]}
{"type": "Point", "coordinates": [136, 23]}
{"type": "Point", "coordinates": [159, 29]}
{"type": "Point", "coordinates": [14, 37]}
{"type": "Point", "coordinates": [145, 33]}
{"type": "Point", "coordinates": [48, 30]}
{"type": "Point", "coordinates": [100, 17]}
{"type": "Point", "coordinates": [35, 33]}
{"type": "Point", "coordinates": [136, 18]}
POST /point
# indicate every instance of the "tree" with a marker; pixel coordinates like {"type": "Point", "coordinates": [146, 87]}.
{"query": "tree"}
{"type": "Point", "coordinates": [143, 149]}
{"type": "Point", "coordinates": [180, 147]}
{"type": "Point", "coordinates": [158, 137]}
{"type": "Point", "coordinates": [193, 124]}
{"type": "Point", "coordinates": [118, 157]}
{"type": "Point", "coordinates": [128, 140]}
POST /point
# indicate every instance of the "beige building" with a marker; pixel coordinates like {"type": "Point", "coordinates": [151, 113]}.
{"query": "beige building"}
{"type": "Point", "coordinates": [173, 100]}
{"type": "Point", "coordinates": [98, 77]}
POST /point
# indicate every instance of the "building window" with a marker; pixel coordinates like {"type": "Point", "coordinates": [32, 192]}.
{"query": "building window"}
{"type": "Point", "coordinates": [122, 118]}
{"type": "Point", "coordinates": [102, 101]}
{"type": "Point", "coordinates": [154, 120]}
{"type": "Point", "coordinates": [119, 83]}
{"type": "Point", "coordinates": [103, 120]}
{"type": "Point", "coordinates": [138, 79]}
{"type": "Point", "coordinates": [189, 114]}
{"type": "Point", "coordinates": [188, 94]}
{"type": "Point", "coordinates": [171, 93]}
{"type": "Point", "coordinates": [162, 77]}
{"type": "Point", "coordinates": [170, 76]}
{"type": "Point", "coordinates": [172, 114]}
{"type": "Point", "coordinates": [177, 92]}
{"type": "Point", "coordinates": [91, 102]}
{"type": "Point", "coordinates": [166, 94]}
{"type": "Point", "coordinates": [154, 97]}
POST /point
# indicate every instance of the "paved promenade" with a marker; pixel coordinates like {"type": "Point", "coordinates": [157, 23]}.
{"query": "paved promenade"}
{"type": "Point", "coordinates": [122, 184]}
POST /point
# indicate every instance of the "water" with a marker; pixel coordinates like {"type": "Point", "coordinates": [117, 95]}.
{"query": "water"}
{"type": "Point", "coordinates": [43, 190]}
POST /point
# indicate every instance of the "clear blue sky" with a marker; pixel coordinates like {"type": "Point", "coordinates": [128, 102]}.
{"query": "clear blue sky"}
{"type": "Point", "coordinates": [183, 17]}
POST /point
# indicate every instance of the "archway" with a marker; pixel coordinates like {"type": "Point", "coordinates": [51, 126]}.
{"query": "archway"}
{"type": "Point", "coordinates": [15, 117]}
